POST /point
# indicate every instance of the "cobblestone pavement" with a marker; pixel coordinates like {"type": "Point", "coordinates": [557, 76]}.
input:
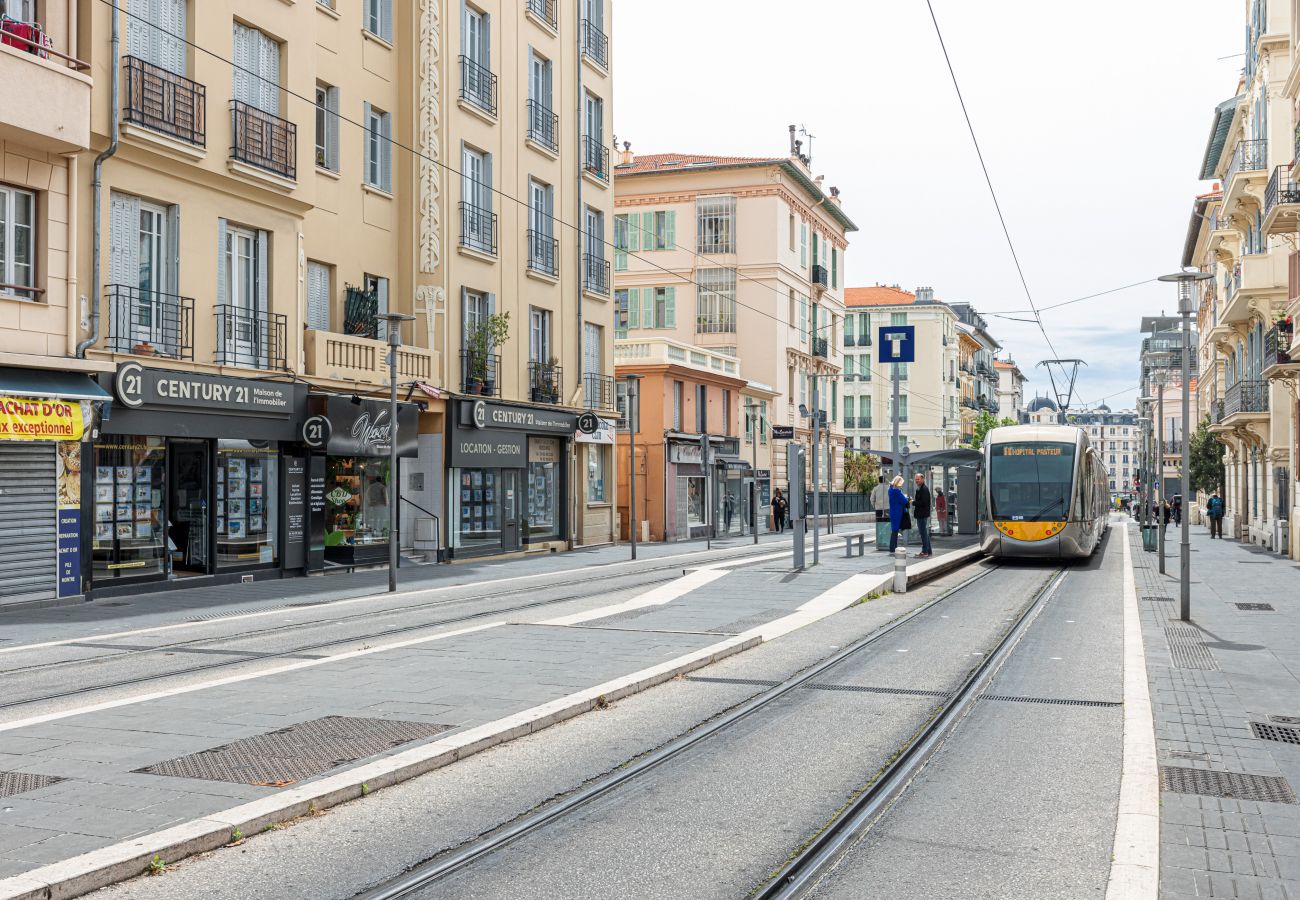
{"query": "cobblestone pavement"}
{"type": "Point", "coordinates": [1214, 682]}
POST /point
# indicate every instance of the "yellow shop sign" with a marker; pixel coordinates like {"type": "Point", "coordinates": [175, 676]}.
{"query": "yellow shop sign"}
{"type": "Point", "coordinates": [30, 419]}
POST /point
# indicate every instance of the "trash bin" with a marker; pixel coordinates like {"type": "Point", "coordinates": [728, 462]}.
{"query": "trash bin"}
{"type": "Point", "coordinates": [1150, 538]}
{"type": "Point", "coordinates": [882, 535]}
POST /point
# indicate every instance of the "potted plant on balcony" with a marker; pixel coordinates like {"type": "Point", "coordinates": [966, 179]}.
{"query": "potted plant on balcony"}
{"type": "Point", "coordinates": [544, 388]}
{"type": "Point", "coordinates": [489, 335]}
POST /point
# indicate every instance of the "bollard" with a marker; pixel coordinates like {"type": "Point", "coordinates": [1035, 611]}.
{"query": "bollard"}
{"type": "Point", "coordinates": [900, 571]}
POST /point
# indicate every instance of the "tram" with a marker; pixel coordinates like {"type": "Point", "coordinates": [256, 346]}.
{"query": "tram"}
{"type": "Point", "coordinates": [1045, 493]}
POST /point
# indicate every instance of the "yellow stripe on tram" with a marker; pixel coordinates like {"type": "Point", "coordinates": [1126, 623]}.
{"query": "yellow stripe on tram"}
{"type": "Point", "coordinates": [1030, 531]}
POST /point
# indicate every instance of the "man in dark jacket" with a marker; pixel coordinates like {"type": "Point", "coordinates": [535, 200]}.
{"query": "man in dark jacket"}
{"type": "Point", "coordinates": [921, 513]}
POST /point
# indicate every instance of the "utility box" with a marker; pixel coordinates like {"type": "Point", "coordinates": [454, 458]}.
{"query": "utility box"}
{"type": "Point", "coordinates": [967, 501]}
{"type": "Point", "coordinates": [795, 470]}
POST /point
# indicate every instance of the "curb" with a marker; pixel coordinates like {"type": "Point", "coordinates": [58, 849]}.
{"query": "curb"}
{"type": "Point", "coordinates": [128, 859]}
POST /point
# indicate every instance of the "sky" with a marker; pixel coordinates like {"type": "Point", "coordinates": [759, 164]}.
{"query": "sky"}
{"type": "Point", "coordinates": [1092, 118]}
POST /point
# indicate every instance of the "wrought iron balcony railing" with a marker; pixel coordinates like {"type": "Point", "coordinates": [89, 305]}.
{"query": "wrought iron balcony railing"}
{"type": "Point", "coordinates": [1250, 156]}
{"type": "Point", "coordinates": [1277, 345]}
{"type": "Point", "coordinates": [595, 44]}
{"type": "Point", "coordinates": [545, 382]}
{"type": "Point", "coordinates": [820, 347]}
{"type": "Point", "coordinates": [543, 253]}
{"type": "Point", "coordinates": [478, 229]}
{"type": "Point", "coordinates": [1216, 412]}
{"type": "Point", "coordinates": [968, 403]}
{"type": "Point", "coordinates": [849, 340]}
{"type": "Point", "coordinates": [820, 277]}
{"type": "Point", "coordinates": [149, 323]}
{"type": "Point", "coordinates": [544, 10]}
{"type": "Point", "coordinates": [1249, 396]}
{"type": "Point", "coordinates": [1281, 189]}
{"type": "Point", "coordinates": [598, 391]}
{"type": "Point", "coordinates": [543, 126]}
{"type": "Point", "coordinates": [479, 373]}
{"type": "Point", "coordinates": [478, 86]}
{"type": "Point", "coordinates": [165, 102]}
{"type": "Point", "coordinates": [263, 140]}
{"type": "Point", "coordinates": [595, 157]}
{"type": "Point", "coordinates": [595, 274]}
{"type": "Point", "coordinates": [253, 339]}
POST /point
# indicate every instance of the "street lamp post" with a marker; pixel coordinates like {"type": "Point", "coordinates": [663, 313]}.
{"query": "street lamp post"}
{"type": "Point", "coordinates": [1186, 281]}
{"type": "Point", "coordinates": [751, 409]}
{"type": "Point", "coordinates": [633, 397]}
{"type": "Point", "coordinates": [394, 329]}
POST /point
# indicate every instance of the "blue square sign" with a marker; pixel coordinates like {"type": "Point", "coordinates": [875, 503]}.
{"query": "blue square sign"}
{"type": "Point", "coordinates": [897, 344]}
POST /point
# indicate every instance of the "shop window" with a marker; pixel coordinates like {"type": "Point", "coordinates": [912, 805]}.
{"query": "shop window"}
{"type": "Point", "coordinates": [690, 504]}
{"type": "Point", "coordinates": [543, 489]}
{"type": "Point", "coordinates": [129, 519]}
{"type": "Point", "coordinates": [248, 480]}
{"type": "Point", "coordinates": [597, 474]}
{"type": "Point", "coordinates": [357, 511]}
{"type": "Point", "coordinates": [474, 521]}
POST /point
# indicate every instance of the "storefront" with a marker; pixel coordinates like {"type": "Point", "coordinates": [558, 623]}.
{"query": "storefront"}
{"type": "Point", "coordinates": [192, 476]}
{"type": "Point", "coordinates": [358, 510]}
{"type": "Point", "coordinates": [507, 487]}
{"type": "Point", "coordinates": [44, 418]}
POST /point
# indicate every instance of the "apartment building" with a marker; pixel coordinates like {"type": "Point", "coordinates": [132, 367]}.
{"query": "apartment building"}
{"type": "Point", "coordinates": [1010, 389]}
{"type": "Point", "coordinates": [978, 379]}
{"type": "Point", "coordinates": [1243, 234]}
{"type": "Point", "coordinates": [742, 257]}
{"type": "Point", "coordinates": [217, 225]}
{"type": "Point", "coordinates": [928, 394]}
{"type": "Point", "coordinates": [1117, 438]}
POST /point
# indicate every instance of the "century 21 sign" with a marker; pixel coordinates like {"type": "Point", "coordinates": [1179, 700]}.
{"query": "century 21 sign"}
{"type": "Point", "coordinates": [137, 385]}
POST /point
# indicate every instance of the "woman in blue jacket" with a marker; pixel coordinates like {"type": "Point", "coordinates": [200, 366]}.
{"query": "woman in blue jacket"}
{"type": "Point", "coordinates": [897, 508]}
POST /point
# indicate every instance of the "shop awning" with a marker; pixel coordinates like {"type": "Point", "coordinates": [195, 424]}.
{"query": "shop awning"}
{"type": "Point", "coordinates": [732, 462]}
{"type": "Point", "coordinates": [49, 383]}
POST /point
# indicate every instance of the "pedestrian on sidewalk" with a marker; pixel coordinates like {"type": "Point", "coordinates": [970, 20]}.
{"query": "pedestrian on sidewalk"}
{"type": "Point", "coordinates": [897, 510]}
{"type": "Point", "coordinates": [880, 500]}
{"type": "Point", "coordinates": [1214, 509]}
{"type": "Point", "coordinates": [779, 509]}
{"type": "Point", "coordinates": [1178, 510]}
{"type": "Point", "coordinates": [941, 509]}
{"type": "Point", "coordinates": [921, 510]}
{"type": "Point", "coordinates": [728, 510]}
{"type": "Point", "coordinates": [1163, 513]}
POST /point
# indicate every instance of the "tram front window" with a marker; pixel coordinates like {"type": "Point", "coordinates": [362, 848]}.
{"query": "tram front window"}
{"type": "Point", "coordinates": [1031, 482]}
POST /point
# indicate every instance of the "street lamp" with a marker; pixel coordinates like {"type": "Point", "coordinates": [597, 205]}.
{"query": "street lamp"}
{"type": "Point", "coordinates": [751, 409]}
{"type": "Point", "coordinates": [1145, 422]}
{"type": "Point", "coordinates": [394, 321]}
{"type": "Point", "coordinates": [1186, 280]}
{"type": "Point", "coordinates": [633, 397]}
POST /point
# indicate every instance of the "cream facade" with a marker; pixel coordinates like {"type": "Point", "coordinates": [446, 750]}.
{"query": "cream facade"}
{"type": "Point", "coordinates": [1010, 389]}
{"type": "Point", "coordinates": [742, 256]}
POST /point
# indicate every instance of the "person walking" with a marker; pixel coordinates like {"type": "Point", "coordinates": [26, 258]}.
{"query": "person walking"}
{"type": "Point", "coordinates": [779, 509]}
{"type": "Point", "coordinates": [921, 512]}
{"type": "Point", "coordinates": [880, 500]}
{"type": "Point", "coordinates": [941, 510]}
{"type": "Point", "coordinates": [897, 510]}
{"type": "Point", "coordinates": [728, 510]}
{"type": "Point", "coordinates": [1177, 511]}
{"type": "Point", "coordinates": [1164, 515]}
{"type": "Point", "coordinates": [1214, 509]}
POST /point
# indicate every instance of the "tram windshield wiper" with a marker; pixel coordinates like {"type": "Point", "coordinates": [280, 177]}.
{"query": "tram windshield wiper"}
{"type": "Point", "coordinates": [1057, 502]}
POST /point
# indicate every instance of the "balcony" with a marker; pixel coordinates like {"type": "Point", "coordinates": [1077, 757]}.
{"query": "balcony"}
{"type": "Point", "coordinates": [1246, 398]}
{"type": "Point", "coordinates": [723, 323]}
{"type": "Point", "coordinates": [350, 357]}
{"type": "Point", "coordinates": [1277, 351]}
{"type": "Point", "coordinates": [663, 351]}
{"type": "Point", "coordinates": [1259, 277]}
{"type": "Point", "coordinates": [149, 323]}
{"type": "Point", "coordinates": [254, 340]}
{"type": "Point", "coordinates": [968, 403]}
{"type": "Point", "coordinates": [47, 106]}
{"type": "Point", "coordinates": [598, 391]}
{"type": "Point", "coordinates": [479, 373]}
{"type": "Point", "coordinates": [595, 158]}
{"type": "Point", "coordinates": [545, 382]}
{"type": "Point", "coordinates": [543, 126]}
{"type": "Point", "coordinates": [478, 229]}
{"type": "Point", "coordinates": [165, 102]}
{"type": "Point", "coordinates": [595, 44]}
{"type": "Point", "coordinates": [1249, 163]}
{"type": "Point", "coordinates": [478, 87]}
{"type": "Point", "coordinates": [263, 141]}
{"type": "Point", "coordinates": [595, 275]}
{"type": "Point", "coordinates": [819, 277]}
{"type": "Point", "coordinates": [543, 10]}
{"type": "Point", "coordinates": [820, 347]}
{"type": "Point", "coordinates": [543, 254]}
{"type": "Point", "coordinates": [1281, 202]}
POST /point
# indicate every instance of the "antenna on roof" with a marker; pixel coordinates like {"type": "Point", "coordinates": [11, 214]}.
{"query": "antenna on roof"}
{"type": "Point", "coordinates": [807, 158]}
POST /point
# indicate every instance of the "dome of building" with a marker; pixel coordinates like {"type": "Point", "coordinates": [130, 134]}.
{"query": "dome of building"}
{"type": "Point", "coordinates": [1043, 403]}
{"type": "Point", "coordinates": [1103, 408]}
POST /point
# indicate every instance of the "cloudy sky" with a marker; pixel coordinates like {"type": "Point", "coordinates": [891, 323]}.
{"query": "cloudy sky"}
{"type": "Point", "coordinates": [1092, 118]}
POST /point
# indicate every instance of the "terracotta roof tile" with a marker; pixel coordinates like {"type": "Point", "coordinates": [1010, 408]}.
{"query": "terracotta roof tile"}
{"type": "Point", "coordinates": [676, 162]}
{"type": "Point", "coordinates": [878, 296]}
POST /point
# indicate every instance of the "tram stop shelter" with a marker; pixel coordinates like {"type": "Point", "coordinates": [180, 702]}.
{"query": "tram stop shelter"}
{"type": "Point", "coordinates": [963, 493]}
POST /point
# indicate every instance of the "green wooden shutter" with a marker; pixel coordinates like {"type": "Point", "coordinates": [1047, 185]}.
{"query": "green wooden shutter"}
{"type": "Point", "coordinates": [835, 267]}
{"type": "Point", "coordinates": [670, 307]}
{"type": "Point", "coordinates": [648, 231]}
{"type": "Point", "coordinates": [648, 307]}
{"type": "Point", "coordinates": [633, 231]}
{"type": "Point", "coordinates": [670, 230]}
{"type": "Point", "coordinates": [634, 308]}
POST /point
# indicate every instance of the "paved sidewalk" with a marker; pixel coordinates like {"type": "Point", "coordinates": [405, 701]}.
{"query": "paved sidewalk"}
{"type": "Point", "coordinates": [1214, 682]}
{"type": "Point", "coordinates": [127, 769]}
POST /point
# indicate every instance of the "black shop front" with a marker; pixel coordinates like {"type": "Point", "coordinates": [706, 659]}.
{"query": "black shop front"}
{"type": "Point", "coordinates": [195, 478]}
{"type": "Point", "coordinates": [507, 477]}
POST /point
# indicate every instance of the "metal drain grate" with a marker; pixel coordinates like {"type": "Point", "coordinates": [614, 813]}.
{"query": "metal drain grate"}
{"type": "Point", "coordinates": [300, 751]}
{"type": "Point", "coordinates": [902, 692]}
{"type": "Point", "coordinates": [757, 682]}
{"type": "Point", "coordinates": [1275, 733]}
{"type": "Point", "coordinates": [1187, 650]}
{"type": "Point", "coordinates": [231, 613]}
{"type": "Point", "coordinates": [1252, 562]}
{"type": "Point", "coordinates": [1238, 786]}
{"type": "Point", "coordinates": [1155, 598]}
{"type": "Point", "coordinates": [12, 783]}
{"type": "Point", "coordinates": [1108, 704]}
{"type": "Point", "coordinates": [1255, 607]}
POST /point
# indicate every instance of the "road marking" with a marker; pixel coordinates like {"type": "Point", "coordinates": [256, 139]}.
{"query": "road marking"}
{"type": "Point", "coordinates": [1135, 857]}
{"type": "Point", "coordinates": [660, 596]}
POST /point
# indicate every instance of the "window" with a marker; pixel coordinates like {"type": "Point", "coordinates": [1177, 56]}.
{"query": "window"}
{"type": "Point", "coordinates": [652, 230]}
{"type": "Point", "coordinates": [620, 242]}
{"type": "Point", "coordinates": [597, 463]}
{"type": "Point", "coordinates": [897, 318]}
{"type": "Point", "coordinates": [864, 361]}
{"type": "Point", "coordinates": [477, 230]}
{"type": "Point", "coordinates": [677, 406]}
{"type": "Point", "coordinates": [541, 119]}
{"type": "Point", "coordinates": [803, 319]}
{"type": "Point", "coordinates": [791, 227]}
{"type": "Point", "coordinates": [542, 250]}
{"type": "Point", "coordinates": [318, 296]}
{"type": "Point", "coordinates": [716, 304]}
{"type": "Point", "coordinates": [379, 148]}
{"type": "Point", "coordinates": [715, 222]}
{"type": "Point", "coordinates": [379, 19]}
{"type": "Point", "coordinates": [803, 245]}
{"type": "Point", "coordinates": [378, 286]}
{"type": "Point", "coordinates": [622, 301]}
{"type": "Point", "coordinates": [155, 30]}
{"type": "Point", "coordinates": [835, 267]}
{"type": "Point", "coordinates": [242, 295]}
{"type": "Point", "coordinates": [762, 421]}
{"type": "Point", "coordinates": [539, 335]}
{"type": "Point", "coordinates": [848, 412]}
{"type": "Point", "coordinates": [664, 311]}
{"type": "Point", "coordinates": [593, 343]}
{"type": "Point", "coordinates": [595, 158]}
{"type": "Point", "coordinates": [629, 408]}
{"type": "Point", "coordinates": [327, 127]}
{"type": "Point", "coordinates": [902, 407]}
{"type": "Point", "coordinates": [257, 70]}
{"type": "Point", "coordinates": [477, 307]}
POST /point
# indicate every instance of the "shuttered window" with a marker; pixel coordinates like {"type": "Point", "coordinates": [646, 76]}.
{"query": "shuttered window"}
{"type": "Point", "coordinates": [378, 148]}
{"type": "Point", "coordinates": [379, 18]}
{"type": "Point", "coordinates": [327, 127]}
{"type": "Point", "coordinates": [318, 296]}
{"type": "Point", "coordinates": [155, 33]}
{"type": "Point", "coordinates": [257, 69]}
{"type": "Point", "coordinates": [29, 552]}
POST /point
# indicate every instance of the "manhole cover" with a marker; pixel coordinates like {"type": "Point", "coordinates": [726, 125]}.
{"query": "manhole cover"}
{"type": "Point", "coordinates": [12, 783]}
{"type": "Point", "coordinates": [1285, 720]}
{"type": "Point", "coordinates": [1275, 733]}
{"type": "Point", "coordinates": [300, 751]}
{"type": "Point", "coordinates": [1255, 607]}
{"type": "Point", "coordinates": [1238, 786]}
{"type": "Point", "coordinates": [1157, 599]}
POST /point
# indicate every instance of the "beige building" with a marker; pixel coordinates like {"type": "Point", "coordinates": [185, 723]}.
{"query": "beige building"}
{"type": "Point", "coordinates": [743, 256]}
{"type": "Point", "coordinates": [1244, 237]}
{"type": "Point", "coordinates": [1010, 389]}
{"type": "Point", "coordinates": [217, 208]}
{"type": "Point", "coordinates": [928, 389]}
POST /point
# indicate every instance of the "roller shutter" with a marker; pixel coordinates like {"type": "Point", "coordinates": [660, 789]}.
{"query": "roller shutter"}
{"type": "Point", "coordinates": [29, 549]}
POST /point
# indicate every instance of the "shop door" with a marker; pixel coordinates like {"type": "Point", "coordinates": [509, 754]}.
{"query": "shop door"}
{"type": "Point", "coordinates": [188, 502]}
{"type": "Point", "coordinates": [29, 549]}
{"type": "Point", "coordinates": [510, 538]}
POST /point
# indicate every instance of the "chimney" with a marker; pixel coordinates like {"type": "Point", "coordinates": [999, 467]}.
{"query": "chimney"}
{"type": "Point", "coordinates": [818, 181]}
{"type": "Point", "coordinates": [625, 156]}
{"type": "Point", "coordinates": [835, 195]}
{"type": "Point", "coordinates": [925, 295]}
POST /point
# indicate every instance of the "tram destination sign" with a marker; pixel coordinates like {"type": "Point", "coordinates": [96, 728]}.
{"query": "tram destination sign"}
{"type": "Point", "coordinates": [136, 386]}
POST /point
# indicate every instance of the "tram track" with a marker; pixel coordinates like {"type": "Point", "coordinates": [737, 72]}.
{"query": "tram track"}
{"type": "Point", "coordinates": [447, 863]}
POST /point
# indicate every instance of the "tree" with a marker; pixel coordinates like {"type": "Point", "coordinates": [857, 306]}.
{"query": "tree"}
{"type": "Point", "coordinates": [1006, 422]}
{"type": "Point", "coordinates": [983, 425]}
{"type": "Point", "coordinates": [861, 471]}
{"type": "Point", "coordinates": [1205, 454]}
